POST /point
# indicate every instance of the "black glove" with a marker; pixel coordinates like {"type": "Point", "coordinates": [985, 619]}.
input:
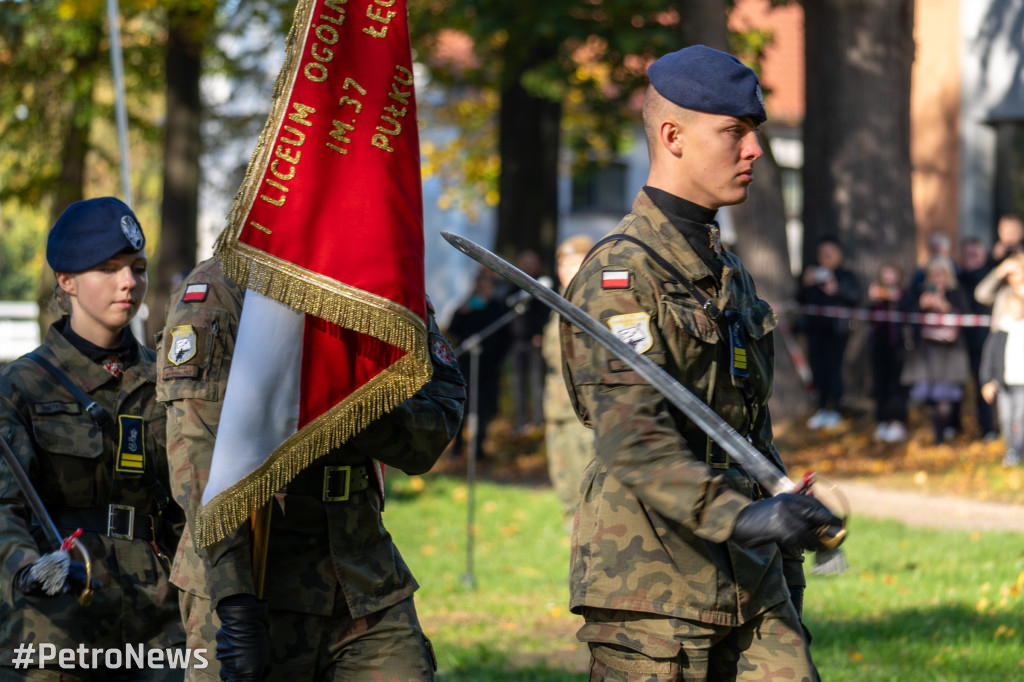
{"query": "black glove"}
{"type": "Point", "coordinates": [30, 583]}
{"type": "Point", "coordinates": [796, 522]}
{"type": "Point", "coordinates": [243, 640]}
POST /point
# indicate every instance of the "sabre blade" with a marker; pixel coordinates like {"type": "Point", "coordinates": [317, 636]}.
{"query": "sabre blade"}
{"type": "Point", "coordinates": [738, 447]}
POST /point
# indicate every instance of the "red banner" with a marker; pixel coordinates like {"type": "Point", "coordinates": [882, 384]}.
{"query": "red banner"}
{"type": "Point", "coordinates": [329, 221]}
{"type": "Point", "coordinates": [345, 156]}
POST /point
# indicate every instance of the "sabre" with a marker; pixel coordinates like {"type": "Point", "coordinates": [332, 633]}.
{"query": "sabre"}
{"type": "Point", "coordinates": [763, 471]}
{"type": "Point", "coordinates": [47, 524]}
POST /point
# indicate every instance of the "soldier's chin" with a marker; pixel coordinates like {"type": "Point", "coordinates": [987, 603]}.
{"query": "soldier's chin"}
{"type": "Point", "coordinates": [738, 198]}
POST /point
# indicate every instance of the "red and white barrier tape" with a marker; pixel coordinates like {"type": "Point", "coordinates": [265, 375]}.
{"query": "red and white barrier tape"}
{"type": "Point", "coordinates": [796, 354]}
{"type": "Point", "coordinates": [938, 319]}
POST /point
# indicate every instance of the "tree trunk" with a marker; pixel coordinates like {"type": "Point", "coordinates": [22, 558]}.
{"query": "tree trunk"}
{"type": "Point", "coordinates": [70, 185]}
{"type": "Point", "coordinates": [703, 22]}
{"type": "Point", "coordinates": [179, 209]}
{"type": "Point", "coordinates": [856, 170]}
{"type": "Point", "coordinates": [528, 146]}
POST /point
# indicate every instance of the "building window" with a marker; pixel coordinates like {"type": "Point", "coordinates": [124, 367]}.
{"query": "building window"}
{"type": "Point", "coordinates": [600, 189]}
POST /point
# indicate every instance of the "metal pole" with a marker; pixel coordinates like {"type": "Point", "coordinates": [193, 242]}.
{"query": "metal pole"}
{"type": "Point", "coordinates": [117, 68]}
{"type": "Point", "coordinates": [468, 578]}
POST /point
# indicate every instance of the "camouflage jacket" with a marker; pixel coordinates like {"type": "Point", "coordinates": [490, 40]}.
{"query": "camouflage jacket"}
{"type": "Point", "coordinates": [71, 462]}
{"type": "Point", "coordinates": [657, 510]}
{"type": "Point", "coordinates": [316, 548]}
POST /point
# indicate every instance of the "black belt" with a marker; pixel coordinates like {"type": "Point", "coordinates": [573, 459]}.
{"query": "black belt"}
{"type": "Point", "coordinates": [115, 521]}
{"type": "Point", "coordinates": [336, 484]}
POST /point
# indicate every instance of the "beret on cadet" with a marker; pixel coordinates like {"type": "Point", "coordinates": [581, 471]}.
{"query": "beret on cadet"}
{"type": "Point", "coordinates": [708, 80]}
{"type": "Point", "coordinates": [89, 232]}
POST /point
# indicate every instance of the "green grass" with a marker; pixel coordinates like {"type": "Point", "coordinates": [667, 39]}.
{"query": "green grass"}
{"type": "Point", "coordinates": [915, 605]}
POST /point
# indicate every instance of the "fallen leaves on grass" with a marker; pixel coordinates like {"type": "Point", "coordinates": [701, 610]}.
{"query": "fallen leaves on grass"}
{"type": "Point", "coordinates": [965, 466]}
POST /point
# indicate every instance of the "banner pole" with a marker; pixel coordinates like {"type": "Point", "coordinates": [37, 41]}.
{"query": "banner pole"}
{"type": "Point", "coordinates": [260, 522]}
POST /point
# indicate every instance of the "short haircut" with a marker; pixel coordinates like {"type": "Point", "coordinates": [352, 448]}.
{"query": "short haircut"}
{"type": "Point", "coordinates": [656, 109]}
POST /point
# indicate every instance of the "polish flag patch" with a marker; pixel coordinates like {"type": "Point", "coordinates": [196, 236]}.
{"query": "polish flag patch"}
{"type": "Point", "coordinates": [195, 292]}
{"type": "Point", "coordinates": [614, 279]}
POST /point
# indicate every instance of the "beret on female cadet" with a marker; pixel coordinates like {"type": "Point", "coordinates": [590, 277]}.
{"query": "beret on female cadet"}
{"type": "Point", "coordinates": [708, 80]}
{"type": "Point", "coordinates": [89, 232]}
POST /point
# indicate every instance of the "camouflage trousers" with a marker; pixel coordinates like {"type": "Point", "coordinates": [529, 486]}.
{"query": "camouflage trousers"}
{"type": "Point", "coordinates": [387, 646]}
{"type": "Point", "coordinates": [643, 647]}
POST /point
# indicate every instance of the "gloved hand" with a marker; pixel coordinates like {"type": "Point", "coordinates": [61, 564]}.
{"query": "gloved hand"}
{"type": "Point", "coordinates": [44, 580]}
{"type": "Point", "coordinates": [791, 520]}
{"type": "Point", "coordinates": [243, 640]}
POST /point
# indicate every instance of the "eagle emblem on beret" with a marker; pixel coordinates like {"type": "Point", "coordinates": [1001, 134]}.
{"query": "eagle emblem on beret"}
{"type": "Point", "coordinates": [132, 232]}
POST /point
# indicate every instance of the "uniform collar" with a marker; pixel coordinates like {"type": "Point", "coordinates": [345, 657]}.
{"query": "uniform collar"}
{"type": "Point", "coordinates": [679, 208]}
{"type": "Point", "coordinates": [667, 233]}
{"type": "Point", "coordinates": [695, 223]}
{"type": "Point", "coordinates": [86, 373]}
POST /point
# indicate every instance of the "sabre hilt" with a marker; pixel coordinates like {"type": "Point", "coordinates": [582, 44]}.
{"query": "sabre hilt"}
{"type": "Point", "coordinates": [69, 543]}
{"type": "Point", "coordinates": [829, 535]}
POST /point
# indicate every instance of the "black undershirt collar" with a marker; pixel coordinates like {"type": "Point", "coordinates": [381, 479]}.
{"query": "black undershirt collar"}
{"type": "Point", "coordinates": [122, 355]}
{"type": "Point", "coordinates": [693, 221]}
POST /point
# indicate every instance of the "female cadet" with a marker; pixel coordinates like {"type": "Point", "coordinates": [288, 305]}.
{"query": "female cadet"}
{"type": "Point", "coordinates": [80, 415]}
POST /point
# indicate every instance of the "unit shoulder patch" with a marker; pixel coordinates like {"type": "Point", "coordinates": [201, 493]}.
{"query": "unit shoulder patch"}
{"type": "Point", "coordinates": [183, 344]}
{"type": "Point", "coordinates": [634, 329]}
{"type": "Point", "coordinates": [442, 351]}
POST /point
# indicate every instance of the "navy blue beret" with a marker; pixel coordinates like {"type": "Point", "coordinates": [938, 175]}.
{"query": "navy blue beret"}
{"type": "Point", "coordinates": [89, 232]}
{"type": "Point", "coordinates": [705, 79]}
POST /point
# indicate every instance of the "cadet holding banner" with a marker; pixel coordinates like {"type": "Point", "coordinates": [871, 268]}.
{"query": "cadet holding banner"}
{"type": "Point", "coordinates": [81, 416]}
{"type": "Point", "coordinates": [337, 601]}
{"type": "Point", "coordinates": [301, 360]}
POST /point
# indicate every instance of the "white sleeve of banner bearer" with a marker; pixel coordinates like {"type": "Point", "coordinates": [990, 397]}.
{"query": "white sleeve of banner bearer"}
{"type": "Point", "coordinates": [261, 403]}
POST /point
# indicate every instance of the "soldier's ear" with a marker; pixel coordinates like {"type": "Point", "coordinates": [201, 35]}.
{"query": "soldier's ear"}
{"type": "Point", "coordinates": [670, 136]}
{"type": "Point", "coordinates": [67, 282]}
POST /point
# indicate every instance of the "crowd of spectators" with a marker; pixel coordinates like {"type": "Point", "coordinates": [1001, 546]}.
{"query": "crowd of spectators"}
{"type": "Point", "coordinates": [940, 368]}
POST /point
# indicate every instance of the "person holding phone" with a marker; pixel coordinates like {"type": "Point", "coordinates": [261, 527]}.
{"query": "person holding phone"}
{"type": "Point", "coordinates": [937, 366]}
{"type": "Point", "coordinates": [827, 283]}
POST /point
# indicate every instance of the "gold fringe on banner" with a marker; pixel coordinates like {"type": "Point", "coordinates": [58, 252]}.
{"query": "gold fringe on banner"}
{"type": "Point", "coordinates": [378, 396]}
{"type": "Point", "coordinates": [323, 297]}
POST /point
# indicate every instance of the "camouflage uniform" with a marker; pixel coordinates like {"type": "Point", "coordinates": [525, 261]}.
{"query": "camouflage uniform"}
{"type": "Point", "coordinates": [340, 593]}
{"type": "Point", "coordinates": [71, 461]}
{"type": "Point", "coordinates": [569, 444]}
{"type": "Point", "coordinates": [653, 570]}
